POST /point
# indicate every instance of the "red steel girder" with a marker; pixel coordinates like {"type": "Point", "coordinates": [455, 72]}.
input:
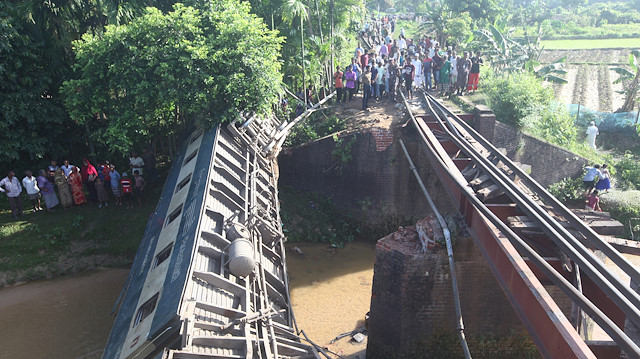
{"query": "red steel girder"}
{"type": "Point", "coordinates": [547, 325]}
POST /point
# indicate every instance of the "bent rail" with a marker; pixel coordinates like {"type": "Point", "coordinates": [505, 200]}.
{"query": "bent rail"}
{"type": "Point", "coordinates": [447, 142]}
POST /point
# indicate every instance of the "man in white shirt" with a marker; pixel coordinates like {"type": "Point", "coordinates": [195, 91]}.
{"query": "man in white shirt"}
{"type": "Point", "coordinates": [30, 184]}
{"type": "Point", "coordinates": [402, 43]}
{"type": "Point", "coordinates": [136, 163]}
{"type": "Point", "coordinates": [66, 168]}
{"type": "Point", "coordinates": [592, 132]}
{"type": "Point", "coordinates": [12, 188]}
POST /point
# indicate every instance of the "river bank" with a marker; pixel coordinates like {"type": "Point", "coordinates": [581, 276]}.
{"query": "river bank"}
{"type": "Point", "coordinates": [42, 245]}
{"type": "Point", "coordinates": [69, 316]}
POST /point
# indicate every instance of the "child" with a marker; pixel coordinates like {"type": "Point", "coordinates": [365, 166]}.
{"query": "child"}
{"type": "Point", "coordinates": [593, 202]}
{"type": "Point", "coordinates": [139, 189]}
{"type": "Point", "coordinates": [101, 193]}
{"type": "Point", "coordinates": [127, 190]}
{"type": "Point", "coordinates": [114, 179]}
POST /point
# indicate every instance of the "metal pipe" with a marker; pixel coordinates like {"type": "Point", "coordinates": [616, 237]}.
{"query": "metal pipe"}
{"type": "Point", "coordinates": [452, 269]}
{"type": "Point", "coordinates": [587, 306]}
{"type": "Point", "coordinates": [627, 300]}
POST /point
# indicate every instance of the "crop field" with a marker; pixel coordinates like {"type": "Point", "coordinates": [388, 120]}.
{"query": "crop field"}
{"type": "Point", "coordinates": [591, 44]}
{"type": "Point", "coordinates": [589, 76]}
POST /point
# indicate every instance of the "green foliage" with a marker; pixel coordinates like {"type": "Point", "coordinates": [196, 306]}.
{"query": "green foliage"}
{"type": "Point", "coordinates": [33, 123]}
{"type": "Point", "coordinates": [628, 171]}
{"type": "Point", "coordinates": [514, 97]}
{"type": "Point", "coordinates": [594, 21]}
{"type": "Point", "coordinates": [623, 206]}
{"type": "Point", "coordinates": [342, 151]}
{"type": "Point", "coordinates": [311, 217]}
{"type": "Point", "coordinates": [313, 129]}
{"type": "Point", "coordinates": [631, 80]}
{"type": "Point", "coordinates": [43, 245]}
{"type": "Point", "coordinates": [147, 78]}
{"type": "Point", "coordinates": [552, 122]}
{"type": "Point", "coordinates": [568, 190]}
{"type": "Point", "coordinates": [451, 27]}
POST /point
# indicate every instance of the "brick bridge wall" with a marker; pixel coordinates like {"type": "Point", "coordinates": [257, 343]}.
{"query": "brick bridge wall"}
{"type": "Point", "coordinates": [412, 300]}
{"type": "Point", "coordinates": [377, 174]}
{"type": "Point", "coordinates": [549, 163]}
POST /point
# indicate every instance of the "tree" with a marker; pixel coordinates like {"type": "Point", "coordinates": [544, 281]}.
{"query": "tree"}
{"type": "Point", "coordinates": [631, 79]}
{"type": "Point", "coordinates": [147, 78]}
{"type": "Point", "coordinates": [33, 123]}
{"type": "Point", "coordinates": [483, 11]}
{"type": "Point", "coordinates": [449, 26]}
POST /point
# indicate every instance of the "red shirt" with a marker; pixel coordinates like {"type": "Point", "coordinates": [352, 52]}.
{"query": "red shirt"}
{"type": "Point", "coordinates": [338, 78]}
{"type": "Point", "coordinates": [592, 201]}
{"type": "Point", "coordinates": [126, 185]}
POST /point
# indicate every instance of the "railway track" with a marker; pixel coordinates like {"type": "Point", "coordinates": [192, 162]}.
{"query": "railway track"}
{"type": "Point", "coordinates": [555, 247]}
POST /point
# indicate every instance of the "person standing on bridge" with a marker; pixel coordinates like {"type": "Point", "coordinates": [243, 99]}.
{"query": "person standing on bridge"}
{"type": "Point", "coordinates": [474, 74]}
{"type": "Point", "coordinates": [592, 132]}
{"type": "Point", "coordinates": [350, 85]}
{"type": "Point", "coordinates": [394, 73]}
{"type": "Point", "coordinates": [408, 73]}
{"type": "Point", "coordinates": [366, 87]}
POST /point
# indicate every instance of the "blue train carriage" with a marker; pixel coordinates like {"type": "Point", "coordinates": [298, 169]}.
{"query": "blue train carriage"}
{"type": "Point", "coordinates": [209, 279]}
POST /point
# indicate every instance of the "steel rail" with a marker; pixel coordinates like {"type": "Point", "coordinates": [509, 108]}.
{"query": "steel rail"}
{"type": "Point", "coordinates": [626, 299]}
{"type": "Point", "coordinates": [588, 307]}
{"type": "Point", "coordinates": [571, 217]}
{"type": "Point", "coordinates": [452, 265]}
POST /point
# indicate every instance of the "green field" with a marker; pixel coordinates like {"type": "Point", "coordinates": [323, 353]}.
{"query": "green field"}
{"type": "Point", "coordinates": [585, 44]}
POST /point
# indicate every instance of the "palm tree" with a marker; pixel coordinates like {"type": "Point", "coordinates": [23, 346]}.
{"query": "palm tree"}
{"type": "Point", "coordinates": [290, 10]}
{"type": "Point", "coordinates": [631, 91]}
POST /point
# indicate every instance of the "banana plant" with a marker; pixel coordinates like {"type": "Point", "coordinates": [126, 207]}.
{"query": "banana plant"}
{"type": "Point", "coordinates": [632, 78]}
{"type": "Point", "coordinates": [551, 72]}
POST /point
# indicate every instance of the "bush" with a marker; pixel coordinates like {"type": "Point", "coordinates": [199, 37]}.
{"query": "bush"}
{"type": "Point", "coordinates": [567, 190]}
{"type": "Point", "coordinates": [513, 97]}
{"type": "Point", "coordinates": [628, 172]}
{"type": "Point", "coordinates": [313, 129]}
{"type": "Point", "coordinates": [551, 122]}
{"type": "Point", "coordinates": [623, 206]}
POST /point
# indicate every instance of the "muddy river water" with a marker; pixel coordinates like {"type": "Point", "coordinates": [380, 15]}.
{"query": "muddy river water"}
{"type": "Point", "coordinates": [69, 317]}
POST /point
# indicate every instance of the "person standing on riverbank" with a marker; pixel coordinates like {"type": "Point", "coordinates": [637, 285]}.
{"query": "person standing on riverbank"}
{"type": "Point", "coordinates": [30, 184]}
{"type": "Point", "coordinates": [592, 132]}
{"type": "Point", "coordinates": [47, 190]}
{"type": "Point", "coordinates": [13, 189]}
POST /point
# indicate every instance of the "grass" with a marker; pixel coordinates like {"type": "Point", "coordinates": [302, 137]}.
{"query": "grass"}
{"type": "Point", "coordinates": [42, 245]}
{"type": "Point", "coordinates": [584, 44]}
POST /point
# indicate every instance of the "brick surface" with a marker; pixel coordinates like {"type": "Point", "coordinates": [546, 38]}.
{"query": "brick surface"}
{"type": "Point", "coordinates": [412, 295]}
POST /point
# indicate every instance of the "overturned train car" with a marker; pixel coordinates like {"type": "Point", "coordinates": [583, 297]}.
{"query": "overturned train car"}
{"type": "Point", "coordinates": [209, 279]}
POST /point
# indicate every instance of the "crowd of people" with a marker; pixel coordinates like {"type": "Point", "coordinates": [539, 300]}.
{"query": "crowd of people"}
{"type": "Point", "coordinates": [391, 65]}
{"type": "Point", "coordinates": [70, 185]}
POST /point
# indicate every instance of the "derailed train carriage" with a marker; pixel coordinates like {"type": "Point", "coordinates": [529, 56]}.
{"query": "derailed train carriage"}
{"type": "Point", "coordinates": [209, 279]}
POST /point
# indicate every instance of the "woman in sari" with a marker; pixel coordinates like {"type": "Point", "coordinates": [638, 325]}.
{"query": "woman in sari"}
{"type": "Point", "coordinates": [75, 180]}
{"type": "Point", "coordinates": [47, 191]}
{"type": "Point", "coordinates": [63, 189]}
